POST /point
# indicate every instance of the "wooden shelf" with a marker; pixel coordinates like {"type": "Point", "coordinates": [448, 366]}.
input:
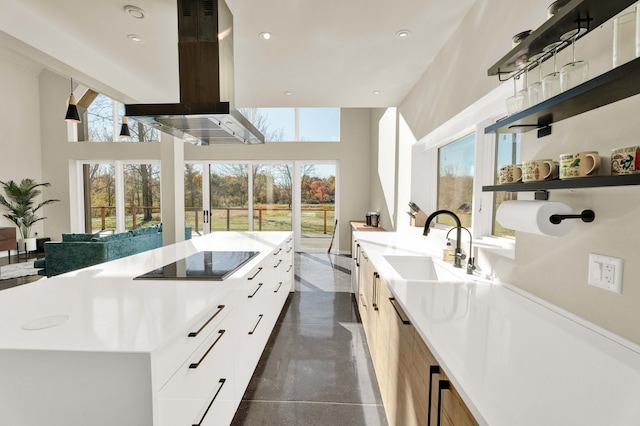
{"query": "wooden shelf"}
{"type": "Point", "coordinates": [619, 83]}
{"type": "Point", "coordinates": [589, 14]}
{"type": "Point", "coordinates": [587, 182]}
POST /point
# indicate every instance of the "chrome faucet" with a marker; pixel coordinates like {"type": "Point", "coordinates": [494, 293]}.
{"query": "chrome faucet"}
{"type": "Point", "coordinates": [457, 261]}
{"type": "Point", "coordinates": [471, 263]}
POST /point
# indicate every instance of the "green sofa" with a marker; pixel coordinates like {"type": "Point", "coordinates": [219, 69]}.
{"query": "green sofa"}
{"type": "Point", "coordinates": [77, 251]}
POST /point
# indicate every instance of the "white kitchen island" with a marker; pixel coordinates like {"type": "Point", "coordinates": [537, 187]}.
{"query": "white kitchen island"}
{"type": "Point", "coordinates": [96, 347]}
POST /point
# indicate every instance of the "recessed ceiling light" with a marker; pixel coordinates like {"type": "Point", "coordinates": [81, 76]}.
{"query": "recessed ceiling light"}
{"type": "Point", "coordinates": [376, 92]}
{"type": "Point", "coordinates": [134, 11]}
{"type": "Point", "coordinates": [288, 93]}
{"type": "Point", "coordinates": [403, 34]}
{"type": "Point", "coordinates": [265, 35]}
{"type": "Point", "coordinates": [136, 38]}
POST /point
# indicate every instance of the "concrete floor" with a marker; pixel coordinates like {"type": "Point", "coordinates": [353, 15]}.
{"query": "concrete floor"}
{"type": "Point", "coordinates": [316, 368]}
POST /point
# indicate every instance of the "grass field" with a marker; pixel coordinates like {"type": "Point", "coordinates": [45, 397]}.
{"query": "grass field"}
{"type": "Point", "coordinates": [315, 220]}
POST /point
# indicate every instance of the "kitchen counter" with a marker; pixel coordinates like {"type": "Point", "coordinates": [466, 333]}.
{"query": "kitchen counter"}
{"type": "Point", "coordinates": [514, 359]}
{"type": "Point", "coordinates": [101, 308]}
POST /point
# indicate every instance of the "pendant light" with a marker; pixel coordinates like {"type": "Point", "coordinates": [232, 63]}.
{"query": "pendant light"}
{"type": "Point", "coordinates": [72, 111]}
{"type": "Point", "coordinates": [124, 130]}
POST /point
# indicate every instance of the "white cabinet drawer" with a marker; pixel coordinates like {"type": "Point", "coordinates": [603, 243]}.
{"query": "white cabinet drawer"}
{"type": "Point", "coordinates": [218, 408]}
{"type": "Point", "coordinates": [171, 357]}
{"type": "Point", "coordinates": [211, 361]}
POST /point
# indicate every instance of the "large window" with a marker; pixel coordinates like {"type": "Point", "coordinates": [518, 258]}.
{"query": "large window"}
{"type": "Point", "coordinates": [272, 197]}
{"type": "Point", "coordinates": [507, 152]}
{"type": "Point", "coordinates": [103, 121]}
{"type": "Point", "coordinates": [296, 124]}
{"type": "Point", "coordinates": [455, 179]}
{"type": "Point", "coordinates": [120, 196]}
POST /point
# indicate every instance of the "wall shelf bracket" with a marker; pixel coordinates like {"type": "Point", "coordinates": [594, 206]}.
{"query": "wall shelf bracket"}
{"type": "Point", "coordinates": [541, 195]}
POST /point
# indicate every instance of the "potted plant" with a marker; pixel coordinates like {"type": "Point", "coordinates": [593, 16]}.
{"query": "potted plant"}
{"type": "Point", "coordinates": [19, 201]}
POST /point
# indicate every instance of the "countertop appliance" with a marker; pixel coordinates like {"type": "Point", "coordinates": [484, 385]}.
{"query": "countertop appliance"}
{"type": "Point", "coordinates": [204, 265]}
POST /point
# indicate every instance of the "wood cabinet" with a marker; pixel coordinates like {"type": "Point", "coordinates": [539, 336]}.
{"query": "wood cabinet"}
{"type": "Point", "coordinates": [415, 391]}
{"type": "Point", "coordinates": [8, 238]}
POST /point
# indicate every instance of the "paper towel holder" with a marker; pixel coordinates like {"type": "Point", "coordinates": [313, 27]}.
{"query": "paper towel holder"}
{"type": "Point", "coordinates": [585, 216]}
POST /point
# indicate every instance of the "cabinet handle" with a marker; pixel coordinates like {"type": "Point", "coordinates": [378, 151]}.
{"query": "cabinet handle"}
{"type": "Point", "coordinates": [256, 326]}
{"type": "Point", "coordinates": [358, 254]}
{"type": "Point", "coordinates": [289, 269]}
{"type": "Point", "coordinates": [289, 240]}
{"type": "Point", "coordinates": [433, 369]}
{"type": "Point", "coordinates": [222, 382]}
{"type": "Point", "coordinates": [278, 289]}
{"type": "Point", "coordinates": [257, 272]}
{"type": "Point", "coordinates": [195, 333]}
{"type": "Point", "coordinates": [254, 293]}
{"type": "Point", "coordinates": [279, 250]}
{"type": "Point", "coordinates": [278, 264]}
{"type": "Point", "coordinates": [375, 296]}
{"type": "Point", "coordinates": [393, 302]}
{"type": "Point", "coordinates": [290, 248]}
{"type": "Point", "coordinates": [442, 385]}
{"type": "Point", "coordinates": [364, 254]}
{"type": "Point", "coordinates": [361, 300]}
{"type": "Point", "coordinates": [197, 364]}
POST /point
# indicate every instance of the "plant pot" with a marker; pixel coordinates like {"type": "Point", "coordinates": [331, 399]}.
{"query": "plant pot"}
{"type": "Point", "coordinates": [27, 244]}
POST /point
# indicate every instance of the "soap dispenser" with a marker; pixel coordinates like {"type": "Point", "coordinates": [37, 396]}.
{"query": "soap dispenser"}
{"type": "Point", "coordinates": [448, 252]}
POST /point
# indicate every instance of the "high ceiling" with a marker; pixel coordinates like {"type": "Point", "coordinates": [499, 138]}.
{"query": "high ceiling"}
{"type": "Point", "coordinates": [321, 53]}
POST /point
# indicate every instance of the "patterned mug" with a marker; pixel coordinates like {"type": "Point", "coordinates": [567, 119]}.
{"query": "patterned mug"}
{"type": "Point", "coordinates": [579, 164]}
{"type": "Point", "coordinates": [537, 170]}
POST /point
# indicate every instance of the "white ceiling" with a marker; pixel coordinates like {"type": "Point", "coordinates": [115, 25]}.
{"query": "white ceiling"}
{"type": "Point", "coordinates": [327, 53]}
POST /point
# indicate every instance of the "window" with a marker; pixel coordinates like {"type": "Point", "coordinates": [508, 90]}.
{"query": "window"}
{"type": "Point", "coordinates": [272, 197]}
{"type": "Point", "coordinates": [296, 124]}
{"type": "Point", "coordinates": [455, 179]}
{"type": "Point", "coordinates": [142, 195]}
{"type": "Point", "coordinates": [120, 196]}
{"type": "Point", "coordinates": [507, 152]}
{"type": "Point", "coordinates": [100, 197]}
{"type": "Point", "coordinates": [104, 120]}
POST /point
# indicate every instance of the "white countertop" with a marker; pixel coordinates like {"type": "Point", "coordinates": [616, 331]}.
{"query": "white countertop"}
{"type": "Point", "coordinates": [514, 359]}
{"type": "Point", "coordinates": [101, 308]}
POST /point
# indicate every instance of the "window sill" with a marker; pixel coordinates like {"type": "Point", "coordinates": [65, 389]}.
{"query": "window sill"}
{"type": "Point", "coordinates": [501, 246]}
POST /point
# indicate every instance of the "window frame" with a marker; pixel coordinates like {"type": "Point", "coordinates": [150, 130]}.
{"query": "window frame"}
{"type": "Point", "coordinates": [474, 119]}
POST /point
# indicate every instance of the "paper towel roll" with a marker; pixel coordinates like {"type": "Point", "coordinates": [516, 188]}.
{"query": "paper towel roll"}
{"type": "Point", "coordinates": [533, 217]}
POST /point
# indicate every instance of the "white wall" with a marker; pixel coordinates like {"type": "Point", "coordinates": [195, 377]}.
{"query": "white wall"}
{"type": "Point", "coordinates": [20, 123]}
{"type": "Point", "coordinates": [552, 268]}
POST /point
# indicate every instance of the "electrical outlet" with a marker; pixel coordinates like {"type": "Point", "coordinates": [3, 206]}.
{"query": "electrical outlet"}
{"type": "Point", "coordinates": [605, 272]}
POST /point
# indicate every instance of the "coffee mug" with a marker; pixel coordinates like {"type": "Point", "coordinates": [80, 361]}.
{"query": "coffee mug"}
{"type": "Point", "coordinates": [625, 161]}
{"type": "Point", "coordinates": [579, 164]}
{"type": "Point", "coordinates": [537, 170]}
{"type": "Point", "coordinates": [510, 173]}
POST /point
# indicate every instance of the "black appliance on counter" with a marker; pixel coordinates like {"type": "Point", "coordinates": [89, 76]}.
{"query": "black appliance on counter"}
{"type": "Point", "coordinates": [204, 265]}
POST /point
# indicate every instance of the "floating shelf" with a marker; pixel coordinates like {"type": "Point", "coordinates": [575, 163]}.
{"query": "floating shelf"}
{"type": "Point", "coordinates": [589, 14]}
{"type": "Point", "coordinates": [619, 83]}
{"type": "Point", "coordinates": [587, 182]}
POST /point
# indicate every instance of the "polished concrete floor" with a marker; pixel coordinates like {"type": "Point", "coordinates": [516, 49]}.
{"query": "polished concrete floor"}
{"type": "Point", "coordinates": [316, 368]}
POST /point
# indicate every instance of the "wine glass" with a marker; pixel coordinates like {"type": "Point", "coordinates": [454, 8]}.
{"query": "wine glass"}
{"type": "Point", "coordinates": [534, 90]}
{"type": "Point", "coordinates": [515, 102]}
{"type": "Point", "coordinates": [525, 87]}
{"type": "Point", "coordinates": [551, 82]}
{"type": "Point", "coordinates": [575, 72]}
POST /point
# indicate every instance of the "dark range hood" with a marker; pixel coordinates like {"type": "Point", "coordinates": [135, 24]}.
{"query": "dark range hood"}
{"type": "Point", "coordinates": [206, 110]}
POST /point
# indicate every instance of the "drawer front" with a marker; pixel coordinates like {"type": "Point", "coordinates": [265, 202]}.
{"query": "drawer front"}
{"type": "Point", "coordinates": [211, 360]}
{"type": "Point", "coordinates": [172, 356]}
{"type": "Point", "coordinates": [218, 408]}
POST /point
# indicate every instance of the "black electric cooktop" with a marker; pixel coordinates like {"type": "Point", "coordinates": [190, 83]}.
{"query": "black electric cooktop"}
{"type": "Point", "coordinates": [204, 265]}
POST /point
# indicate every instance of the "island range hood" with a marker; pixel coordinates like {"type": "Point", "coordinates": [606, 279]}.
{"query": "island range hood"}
{"type": "Point", "coordinates": [206, 113]}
